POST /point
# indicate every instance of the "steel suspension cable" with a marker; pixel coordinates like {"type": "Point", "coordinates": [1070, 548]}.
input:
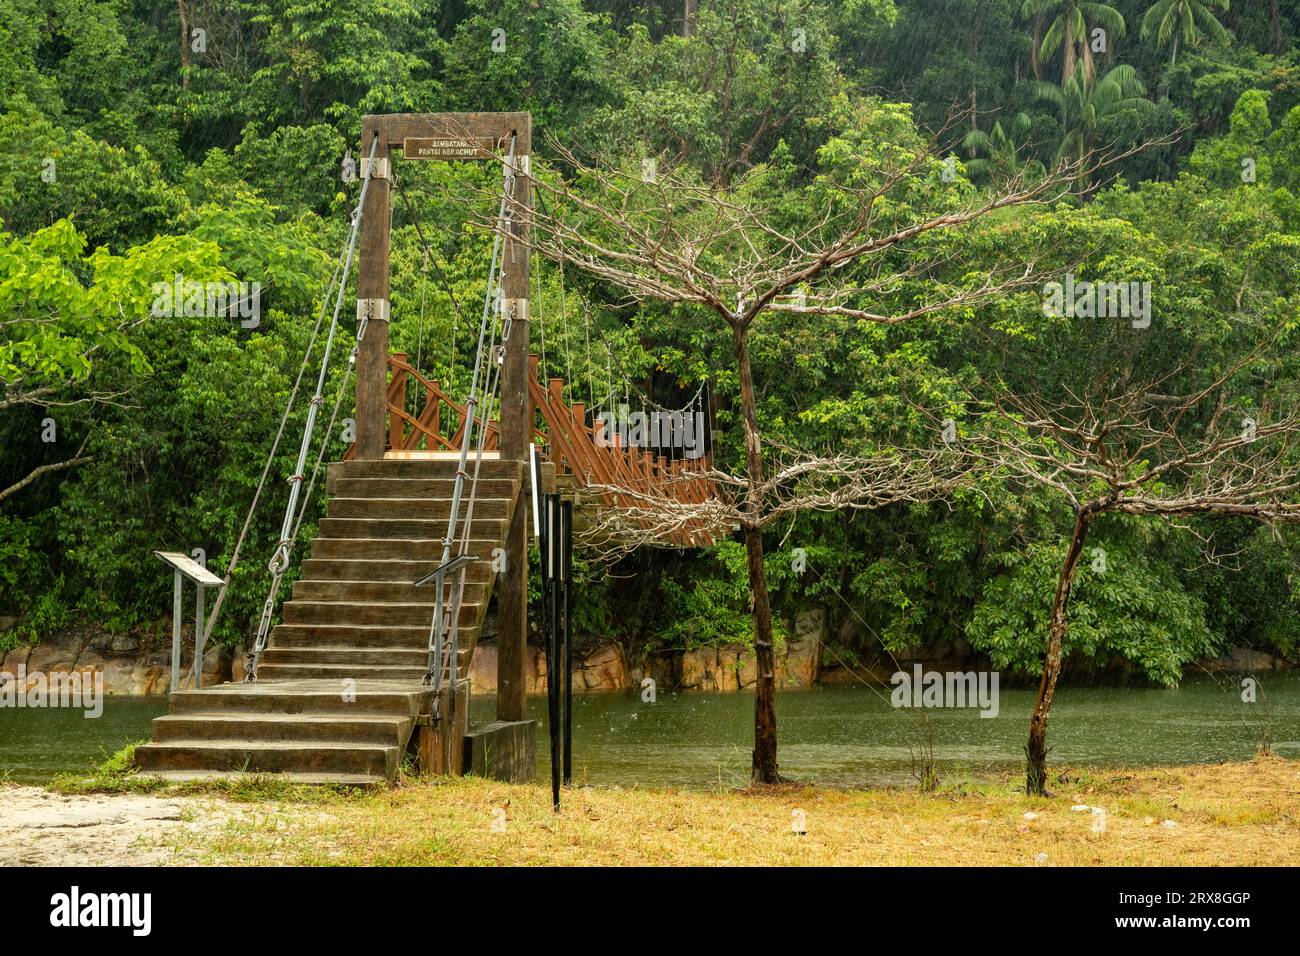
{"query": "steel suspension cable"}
{"type": "Point", "coordinates": [275, 446]}
{"type": "Point", "coordinates": [490, 385]}
{"type": "Point", "coordinates": [279, 562]}
{"type": "Point", "coordinates": [442, 276]}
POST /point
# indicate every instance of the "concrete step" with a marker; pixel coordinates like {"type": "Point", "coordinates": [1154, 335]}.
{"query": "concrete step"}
{"type": "Point", "coordinates": [357, 636]}
{"type": "Point", "coordinates": [369, 698]}
{"type": "Point", "coordinates": [360, 658]}
{"type": "Point", "coordinates": [425, 508]}
{"type": "Point", "coordinates": [424, 468]}
{"type": "Point", "coordinates": [340, 672]}
{"type": "Point", "coordinates": [399, 549]}
{"type": "Point", "coordinates": [270, 756]}
{"type": "Point", "coordinates": [328, 654]}
{"type": "Point", "coordinates": [482, 528]}
{"type": "Point", "coordinates": [351, 612]}
{"type": "Point", "coordinates": [383, 592]}
{"type": "Point", "coordinates": [388, 730]}
{"type": "Point", "coordinates": [379, 570]}
{"type": "Point", "coordinates": [340, 684]}
{"type": "Point", "coordinates": [426, 488]}
{"type": "Point", "coordinates": [367, 780]}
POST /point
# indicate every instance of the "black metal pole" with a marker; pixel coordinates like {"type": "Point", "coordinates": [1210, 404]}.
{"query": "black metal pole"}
{"type": "Point", "coordinates": [566, 569]}
{"type": "Point", "coordinates": [552, 644]}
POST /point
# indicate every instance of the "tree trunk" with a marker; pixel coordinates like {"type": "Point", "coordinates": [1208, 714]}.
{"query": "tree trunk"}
{"type": "Point", "coordinates": [185, 45]}
{"type": "Point", "coordinates": [688, 17]}
{"type": "Point", "coordinates": [1068, 56]}
{"type": "Point", "coordinates": [1274, 28]}
{"type": "Point", "coordinates": [1175, 57]}
{"type": "Point", "coordinates": [764, 757]}
{"type": "Point", "coordinates": [1087, 64]}
{"type": "Point", "coordinates": [1034, 62]}
{"type": "Point", "coordinates": [1036, 749]}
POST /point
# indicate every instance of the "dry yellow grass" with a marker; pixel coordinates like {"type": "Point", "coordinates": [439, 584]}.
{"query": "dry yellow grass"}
{"type": "Point", "coordinates": [1239, 813]}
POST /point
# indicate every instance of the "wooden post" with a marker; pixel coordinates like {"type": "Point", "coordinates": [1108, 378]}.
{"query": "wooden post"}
{"type": "Point", "coordinates": [441, 738]}
{"type": "Point", "coordinates": [427, 746]}
{"type": "Point", "coordinates": [459, 729]}
{"type": "Point", "coordinates": [516, 433]}
{"type": "Point", "coordinates": [396, 395]}
{"type": "Point", "coordinates": [372, 284]}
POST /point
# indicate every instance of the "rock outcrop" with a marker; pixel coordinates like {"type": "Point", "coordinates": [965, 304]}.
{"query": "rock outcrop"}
{"type": "Point", "coordinates": [131, 666]}
{"type": "Point", "coordinates": [139, 664]}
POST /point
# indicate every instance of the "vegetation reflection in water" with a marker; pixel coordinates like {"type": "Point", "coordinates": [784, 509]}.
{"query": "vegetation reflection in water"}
{"type": "Point", "coordinates": [852, 736]}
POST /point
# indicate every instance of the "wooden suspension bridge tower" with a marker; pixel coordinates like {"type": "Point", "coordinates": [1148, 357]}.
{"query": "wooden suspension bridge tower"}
{"type": "Point", "coordinates": [458, 136]}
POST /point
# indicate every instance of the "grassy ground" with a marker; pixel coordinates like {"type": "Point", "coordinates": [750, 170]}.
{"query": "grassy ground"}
{"type": "Point", "coordinates": [1239, 813]}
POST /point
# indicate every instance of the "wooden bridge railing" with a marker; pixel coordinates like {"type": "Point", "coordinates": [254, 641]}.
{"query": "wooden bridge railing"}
{"type": "Point", "coordinates": [423, 417]}
{"type": "Point", "coordinates": [437, 422]}
{"type": "Point", "coordinates": [595, 458]}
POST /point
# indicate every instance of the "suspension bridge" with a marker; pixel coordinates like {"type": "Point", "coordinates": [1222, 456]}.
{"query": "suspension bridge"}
{"type": "Point", "coordinates": [426, 520]}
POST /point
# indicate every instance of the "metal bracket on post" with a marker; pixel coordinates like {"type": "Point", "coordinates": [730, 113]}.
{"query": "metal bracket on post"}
{"type": "Point", "coordinates": [372, 310]}
{"type": "Point", "coordinates": [515, 310]}
{"type": "Point", "coordinates": [378, 168]}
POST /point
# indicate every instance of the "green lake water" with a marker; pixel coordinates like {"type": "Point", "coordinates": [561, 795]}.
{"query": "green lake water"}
{"type": "Point", "coordinates": [833, 736]}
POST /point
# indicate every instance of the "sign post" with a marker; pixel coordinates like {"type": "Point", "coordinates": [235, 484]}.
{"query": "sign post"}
{"type": "Point", "coordinates": [186, 567]}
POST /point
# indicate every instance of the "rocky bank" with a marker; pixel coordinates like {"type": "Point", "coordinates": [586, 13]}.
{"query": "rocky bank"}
{"type": "Point", "coordinates": [138, 665]}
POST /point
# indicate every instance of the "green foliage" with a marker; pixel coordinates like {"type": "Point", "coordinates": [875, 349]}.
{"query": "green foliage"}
{"type": "Point", "coordinates": [297, 165]}
{"type": "Point", "coordinates": [1069, 26]}
{"type": "Point", "coordinates": [1000, 148]}
{"type": "Point", "coordinates": [231, 170]}
{"type": "Point", "coordinates": [1089, 109]}
{"type": "Point", "coordinates": [116, 196]}
{"type": "Point", "coordinates": [1171, 22]}
{"type": "Point", "coordinates": [711, 607]}
{"type": "Point", "coordinates": [548, 58]}
{"type": "Point", "coordinates": [1135, 610]}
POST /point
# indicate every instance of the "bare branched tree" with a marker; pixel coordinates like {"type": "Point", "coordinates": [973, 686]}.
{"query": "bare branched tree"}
{"type": "Point", "coordinates": [797, 482]}
{"type": "Point", "coordinates": [1228, 447]}
{"type": "Point", "coordinates": [846, 251]}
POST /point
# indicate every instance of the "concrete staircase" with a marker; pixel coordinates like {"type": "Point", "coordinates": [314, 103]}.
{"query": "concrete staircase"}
{"type": "Point", "coordinates": [354, 616]}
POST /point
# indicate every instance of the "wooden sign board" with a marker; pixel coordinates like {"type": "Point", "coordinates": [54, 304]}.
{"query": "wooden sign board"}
{"type": "Point", "coordinates": [190, 568]}
{"type": "Point", "coordinates": [446, 147]}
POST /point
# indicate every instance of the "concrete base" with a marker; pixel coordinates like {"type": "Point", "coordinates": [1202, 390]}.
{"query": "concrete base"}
{"type": "Point", "coordinates": [503, 750]}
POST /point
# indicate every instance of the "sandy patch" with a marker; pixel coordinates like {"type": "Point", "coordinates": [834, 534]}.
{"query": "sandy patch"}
{"type": "Point", "coordinates": [40, 828]}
